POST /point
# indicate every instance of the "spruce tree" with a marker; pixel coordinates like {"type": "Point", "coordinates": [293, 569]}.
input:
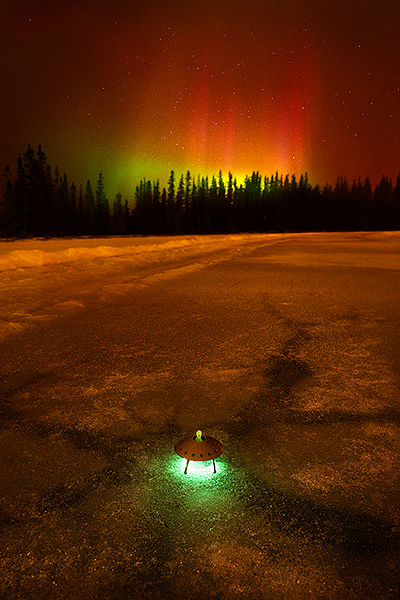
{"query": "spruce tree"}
{"type": "Point", "coordinates": [102, 209]}
{"type": "Point", "coordinates": [170, 206]}
{"type": "Point", "coordinates": [8, 214]}
{"type": "Point", "coordinates": [90, 209]}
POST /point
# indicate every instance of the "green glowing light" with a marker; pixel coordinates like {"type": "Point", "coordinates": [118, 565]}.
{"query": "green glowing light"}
{"type": "Point", "coordinates": [197, 470]}
{"type": "Point", "coordinates": [199, 466]}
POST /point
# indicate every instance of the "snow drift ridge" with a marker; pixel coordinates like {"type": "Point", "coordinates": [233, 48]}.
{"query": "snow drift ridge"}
{"type": "Point", "coordinates": [38, 253]}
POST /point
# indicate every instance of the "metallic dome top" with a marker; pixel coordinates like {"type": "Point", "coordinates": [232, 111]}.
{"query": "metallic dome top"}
{"type": "Point", "coordinates": [199, 447]}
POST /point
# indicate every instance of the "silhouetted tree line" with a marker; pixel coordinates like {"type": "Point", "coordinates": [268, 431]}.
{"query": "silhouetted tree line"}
{"type": "Point", "coordinates": [40, 202]}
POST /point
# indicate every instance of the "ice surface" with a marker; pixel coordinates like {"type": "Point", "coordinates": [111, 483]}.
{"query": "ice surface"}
{"type": "Point", "coordinates": [285, 348]}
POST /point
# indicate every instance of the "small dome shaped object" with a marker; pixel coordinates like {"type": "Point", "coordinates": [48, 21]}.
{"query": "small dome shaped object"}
{"type": "Point", "coordinates": [199, 447]}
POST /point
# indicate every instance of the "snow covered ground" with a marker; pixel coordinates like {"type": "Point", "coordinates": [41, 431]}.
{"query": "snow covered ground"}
{"type": "Point", "coordinates": [284, 347]}
{"type": "Point", "coordinates": [22, 273]}
{"type": "Point", "coordinates": [39, 252]}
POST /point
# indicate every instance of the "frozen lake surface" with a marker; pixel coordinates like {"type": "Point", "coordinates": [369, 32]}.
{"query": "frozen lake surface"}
{"type": "Point", "coordinates": [286, 348]}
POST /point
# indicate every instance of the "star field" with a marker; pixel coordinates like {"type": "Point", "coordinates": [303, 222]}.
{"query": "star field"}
{"type": "Point", "coordinates": [138, 89]}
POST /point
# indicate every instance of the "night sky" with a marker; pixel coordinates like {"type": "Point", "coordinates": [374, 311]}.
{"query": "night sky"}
{"type": "Point", "coordinates": [135, 88]}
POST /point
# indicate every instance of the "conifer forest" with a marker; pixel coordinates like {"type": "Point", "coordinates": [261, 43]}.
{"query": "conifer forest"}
{"type": "Point", "coordinates": [40, 202]}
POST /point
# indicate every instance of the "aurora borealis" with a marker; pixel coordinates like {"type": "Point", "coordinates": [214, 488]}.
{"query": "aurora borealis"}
{"type": "Point", "coordinates": [135, 89]}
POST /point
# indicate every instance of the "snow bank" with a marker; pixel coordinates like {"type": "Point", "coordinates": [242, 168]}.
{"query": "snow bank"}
{"type": "Point", "coordinates": [38, 253]}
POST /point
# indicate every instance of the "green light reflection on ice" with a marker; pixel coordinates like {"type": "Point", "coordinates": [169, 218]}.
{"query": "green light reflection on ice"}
{"type": "Point", "coordinates": [197, 470]}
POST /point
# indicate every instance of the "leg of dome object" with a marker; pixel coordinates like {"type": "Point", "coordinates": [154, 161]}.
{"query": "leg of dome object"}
{"type": "Point", "coordinates": [187, 464]}
{"type": "Point", "coordinates": [215, 470]}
